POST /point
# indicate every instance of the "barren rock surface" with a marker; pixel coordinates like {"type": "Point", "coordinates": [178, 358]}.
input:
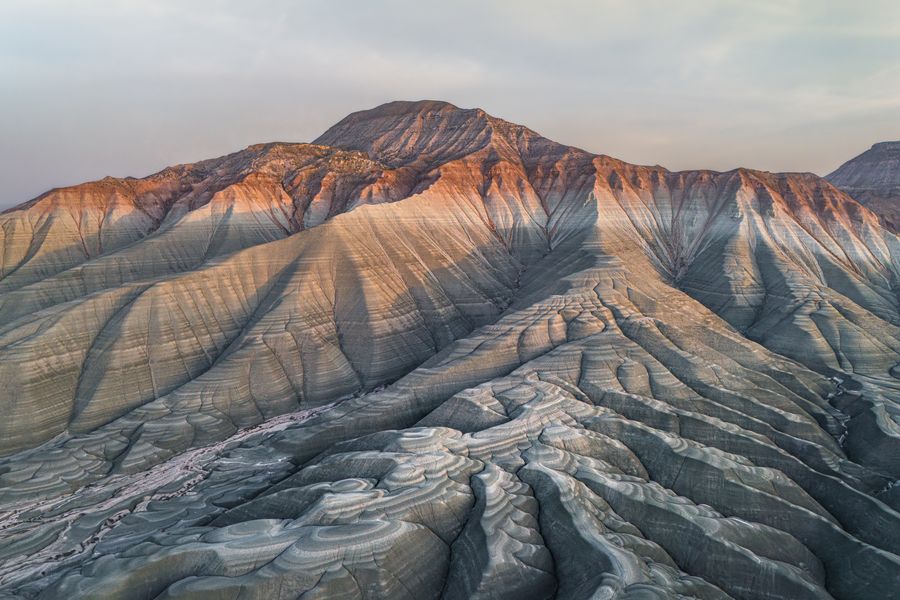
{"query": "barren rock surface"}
{"type": "Point", "coordinates": [437, 355]}
{"type": "Point", "coordinates": [873, 179]}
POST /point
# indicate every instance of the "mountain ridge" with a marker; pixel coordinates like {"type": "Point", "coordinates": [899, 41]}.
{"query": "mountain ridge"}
{"type": "Point", "coordinates": [402, 108]}
{"type": "Point", "coordinates": [873, 178]}
{"type": "Point", "coordinates": [453, 357]}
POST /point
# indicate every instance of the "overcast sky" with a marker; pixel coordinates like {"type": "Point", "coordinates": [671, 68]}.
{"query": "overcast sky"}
{"type": "Point", "coordinates": [94, 88]}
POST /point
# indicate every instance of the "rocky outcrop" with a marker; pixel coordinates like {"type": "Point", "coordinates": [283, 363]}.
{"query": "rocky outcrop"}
{"type": "Point", "coordinates": [873, 179]}
{"type": "Point", "coordinates": [495, 366]}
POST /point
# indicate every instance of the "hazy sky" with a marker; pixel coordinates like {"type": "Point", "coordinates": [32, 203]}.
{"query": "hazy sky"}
{"type": "Point", "coordinates": [94, 88]}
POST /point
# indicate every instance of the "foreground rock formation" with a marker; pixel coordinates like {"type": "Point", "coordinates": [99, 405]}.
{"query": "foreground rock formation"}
{"type": "Point", "coordinates": [873, 179]}
{"type": "Point", "coordinates": [437, 355]}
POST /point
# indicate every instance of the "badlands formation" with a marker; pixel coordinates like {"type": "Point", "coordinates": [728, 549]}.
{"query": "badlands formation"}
{"type": "Point", "coordinates": [436, 355]}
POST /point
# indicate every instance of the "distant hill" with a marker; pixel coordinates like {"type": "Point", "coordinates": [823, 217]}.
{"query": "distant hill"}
{"type": "Point", "coordinates": [873, 179]}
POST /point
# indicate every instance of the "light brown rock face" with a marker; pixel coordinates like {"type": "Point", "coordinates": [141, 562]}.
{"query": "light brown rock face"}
{"type": "Point", "coordinates": [873, 179]}
{"type": "Point", "coordinates": [475, 364]}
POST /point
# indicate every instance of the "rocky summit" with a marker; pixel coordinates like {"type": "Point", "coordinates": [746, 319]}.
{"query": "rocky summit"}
{"type": "Point", "coordinates": [873, 179]}
{"type": "Point", "coordinates": [436, 355]}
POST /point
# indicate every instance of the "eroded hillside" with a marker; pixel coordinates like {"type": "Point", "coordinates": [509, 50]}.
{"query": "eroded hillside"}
{"type": "Point", "coordinates": [523, 370]}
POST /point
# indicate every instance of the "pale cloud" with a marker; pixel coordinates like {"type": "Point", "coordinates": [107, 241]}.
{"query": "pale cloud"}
{"type": "Point", "coordinates": [95, 87]}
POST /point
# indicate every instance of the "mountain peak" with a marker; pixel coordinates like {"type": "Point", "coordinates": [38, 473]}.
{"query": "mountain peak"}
{"type": "Point", "coordinates": [404, 132]}
{"type": "Point", "coordinates": [889, 146]}
{"type": "Point", "coordinates": [402, 107]}
{"type": "Point", "coordinates": [873, 179]}
{"type": "Point", "coordinates": [876, 168]}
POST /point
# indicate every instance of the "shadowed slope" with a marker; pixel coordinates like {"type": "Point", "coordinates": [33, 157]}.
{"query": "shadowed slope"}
{"type": "Point", "coordinates": [873, 178]}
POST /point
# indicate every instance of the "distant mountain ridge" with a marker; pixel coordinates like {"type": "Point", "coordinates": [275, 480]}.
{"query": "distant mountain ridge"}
{"type": "Point", "coordinates": [873, 178]}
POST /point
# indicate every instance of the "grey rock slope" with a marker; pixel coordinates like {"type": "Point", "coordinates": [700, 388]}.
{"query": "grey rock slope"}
{"type": "Point", "coordinates": [873, 179]}
{"type": "Point", "coordinates": [489, 366]}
